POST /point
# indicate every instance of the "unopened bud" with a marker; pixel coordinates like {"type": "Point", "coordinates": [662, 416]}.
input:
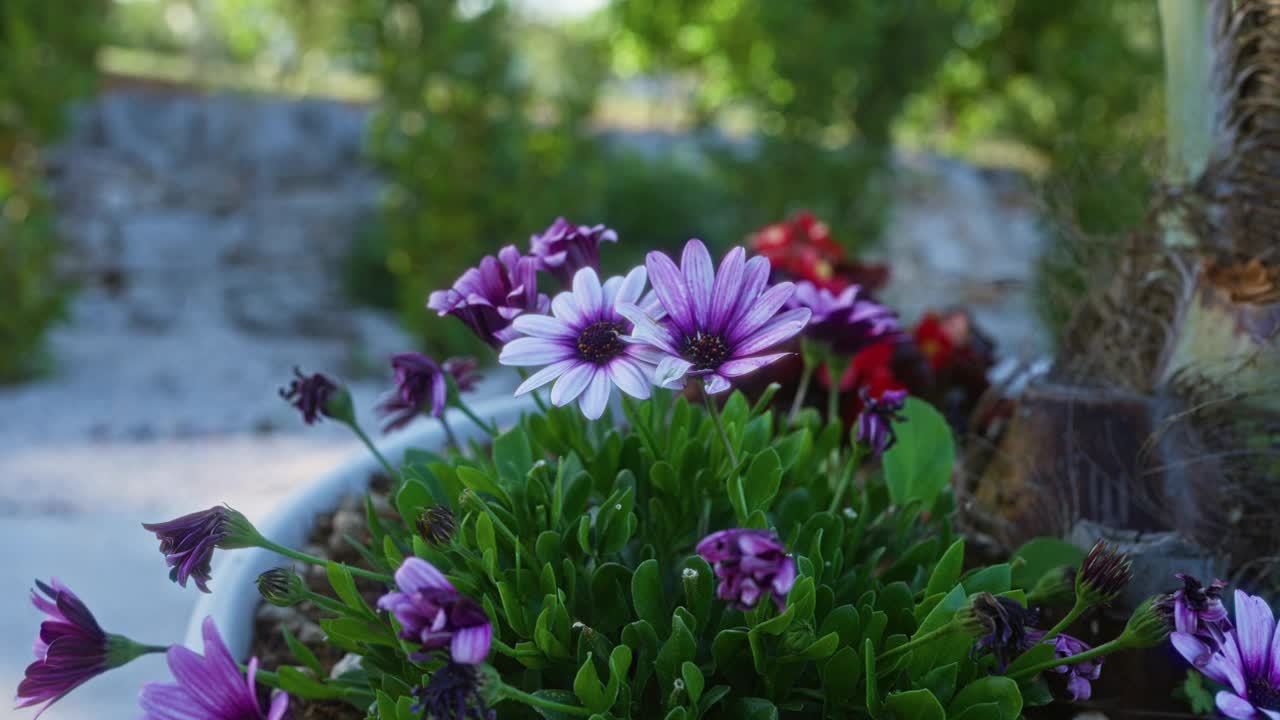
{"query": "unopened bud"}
{"type": "Point", "coordinates": [436, 525]}
{"type": "Point", "coordinates": [281, 587]}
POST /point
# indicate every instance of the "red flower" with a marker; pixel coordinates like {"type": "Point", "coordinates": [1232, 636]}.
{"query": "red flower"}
{"type": "Point", "coordinates": [802, 248]}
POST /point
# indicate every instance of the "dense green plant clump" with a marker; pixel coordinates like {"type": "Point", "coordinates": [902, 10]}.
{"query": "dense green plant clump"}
{"type": "Point", "coordinates": [46, 59]}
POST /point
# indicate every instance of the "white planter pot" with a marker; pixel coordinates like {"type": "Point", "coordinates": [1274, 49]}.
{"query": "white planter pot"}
{"type": "Point", "coordinates": [235, 599]}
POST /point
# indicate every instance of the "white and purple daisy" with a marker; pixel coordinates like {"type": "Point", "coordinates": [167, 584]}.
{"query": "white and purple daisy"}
{"type": "Point", "coordinates": [716, 325]}
{"type": "Point", "coordinates": [582, 344]}
{"type": "Point", "coordinates": [1247, 661]}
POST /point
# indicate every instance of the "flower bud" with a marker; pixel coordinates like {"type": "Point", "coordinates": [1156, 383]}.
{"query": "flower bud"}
{"type": "Point", "coordinates": [1056, 587]}
{"type": "Point", "coordinates": [1103, 574]}
{"type": "Point", "coordinates": [436, 525]}
{"type": "Point", "coordinates": [1149, 625]}
{"type": "Point", "coordinates": [281, 587]}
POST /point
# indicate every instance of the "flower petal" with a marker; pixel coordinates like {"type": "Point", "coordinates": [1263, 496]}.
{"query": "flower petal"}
{"type": "Point", "coordinates": [632, 286]}
{"type": "Point", "coordinates": [588, 293]}
{"type": "Point", "coordinates": [279, 706]}
{"type": "Point", "coordinates": [596, 397]}
{"type": "Point", "coordinates": [416, 575]}
{"type": "Point", "coordinates": [669, 284]}
{"type": "Point", "coordinates": [169, 701]}
{"type": "Point", "coordinates": [724, 294]}
{"type": "Point", "coordinates": [1234, 706]}
{"type": "Point", "coordinates": [782, 328]}
{"type": "Point", "coordinates": [758, 312]}
{"type": "Point", "coordinates": [543, 326]}
{"type": "Point", "coordinates": [755, 276]}
{"type": "Point", "coordinates": [699, 276]}
{"type": "Point", "coordinates": [572, 383]}
{"type": "Point", "coordinates": [741, 366]}
{"type": "Point", "coordinates": [470, 645]}
{"type": "Point", "coordinates": [646, 330]}
{"type": "Point", "coordinates": [714, 384]}
{"type": "Point", "coordinates": [566, 309]}
{"type": "Point", "coordinates": [671, 372]}
{"type": "Point", "coordinates": [629, 378]}
{"type": "Point", "coordinates": [533, 351]}
{"type": "Point", "coordinates": [545, 375]}
{"type": "Point", "coordinates": [644, 353]}
{"type": "Point", "coordinates": [1255, 626]}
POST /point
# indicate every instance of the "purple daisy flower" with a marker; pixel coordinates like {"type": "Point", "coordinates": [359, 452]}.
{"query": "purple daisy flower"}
{"type": "Point", "coordinates": [209, 687]}
{"type": "Point", "coordinates": [564, 248]}
{"type": "Point", "coordinates": [487, 298]}
{"type": "Point", "coordinates": [70, 648]}
{"type": "Point", "coordinates": [749, 563]}
{"type": "Point", "coordinates": [463, 371]}
{"type": "Point", "coordinates": [1079, 675]}
{"type": "Point", "coordinates": [317, 394]}
{"type": "Point", "coordinates": [714, 325]}
{"type": "Point", "coordinates": [434, 614]}
{"type": "Point", "coordinates": [1247, 661]}
{"type": "Point", "coordinates": [420, 384]}
{"type": "Point", "coordinates": [452, 693]}
{"type": "Point", "coordinates": [1009, 628]}
{"type": "Point", "coordinates": [1198, 610]}
{"type": "Point", "coordinates": [875, 422]}
{"type": "Point", "coordinates": [188, 542]}
{"type": "Point", "coordinates": [583, 344]}
{"type": "Point", "coordinates": [848, 322]}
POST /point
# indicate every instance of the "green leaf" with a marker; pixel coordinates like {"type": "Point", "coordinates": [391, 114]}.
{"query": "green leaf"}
{"type": "Point", "coordinates": [941, 681]}
{"type": "Point", "coordinates": [840, 673]}
{"type": "Point", "coordinates": [345, 586]}
{"type": "Point", "coordinates": [513, 456]}
{"type": "Point", "coordinates": [486, 539]}
{"type": "Point", "coordinates": [995, 579]}
{"type": "Point", "coordinates": [948, 648]}
{"type": "Point", "coordinates": [761, 483]}
{"type": "Point", "coordinates": [919, 464]}
{"type": "Point", "coordinates": [873, 689]}
{"type": "Point", "coordinates": [588, 688]}
{"type": "Point", "coordinates": [947, 572]}
{"type": "Point", "coordinates": [1036, 693]}
{"type": "Point", "coordinates": [563, 697]}
{"type": "Point", "coordinates": [297, 683]}
{"type": "Point", "coordinates": [693, 680]}
{"type": "Point", "coordinates": [646, 593]}
{"type": "Point", "coordinates": [752, 708]}
{"type": "Point", "coordinates": [680, 647]}
{"type": "Point", "coordinates": [981, 711]}
{"type": "Point", "coordinates": [480, 482]}
{"type": "Point", "coordinates": [301, 652]}
{"type": "Point", "coordinates": [412, 497]}
{"type": "Point", "coordinates": [992, 689]}
{"type": "Point", "coordinates": [914, 705]}
{"type": "Point", "coordinates": [357, 630]}
{"type": "Point", "coordinates": [1036, 655]}
{"type": "Point", "coordinates": [609, 585]}
{"type": "Point", "coordinates": [1040, 555]}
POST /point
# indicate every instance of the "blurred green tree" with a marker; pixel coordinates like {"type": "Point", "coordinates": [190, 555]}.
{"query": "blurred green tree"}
{"type": "Point", "coordinates": [47, 51]}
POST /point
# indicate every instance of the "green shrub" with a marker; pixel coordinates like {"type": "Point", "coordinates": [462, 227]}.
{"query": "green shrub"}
{"type": "Point", "coordinates": [47, 50]}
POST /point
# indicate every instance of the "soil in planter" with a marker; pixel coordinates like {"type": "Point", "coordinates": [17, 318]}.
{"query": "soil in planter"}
{"type": "Point", "coordinates": [327, 540]}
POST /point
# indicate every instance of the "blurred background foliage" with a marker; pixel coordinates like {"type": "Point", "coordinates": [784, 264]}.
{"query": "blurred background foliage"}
{"type": "Point", "coordinates": [47, 51]}
{"type": "Point", "coordinates": [663, 118]}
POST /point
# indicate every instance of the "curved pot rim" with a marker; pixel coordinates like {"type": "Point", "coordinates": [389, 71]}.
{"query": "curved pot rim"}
{"type": "Point", "coordinates": [233, 603]}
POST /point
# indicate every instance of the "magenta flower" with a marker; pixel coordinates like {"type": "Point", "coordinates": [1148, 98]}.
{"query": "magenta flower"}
{"type": "Point", "coordinates": [847, 322]}
{"type": "Point", "coordinates": [564, 248]}
{"type": "Point", "coordinates": [1078, 674]}
{"type": "Point", "coordinates": [209, 687]}
{"type": "Point", "coordinates": [487, 298]}
{"type": "Point", "coordinates": [1198, 610]}
{"type": "Point", "coordinates": [875, 422]}
{"type": "Point", "coordinates": [188, 542]}
{"type": "Point", "coordinates": [435, 615]}
{"type": "Point", "coordinates": [749, 564]}
{"type": "Point", "coordinates": [420, 385]}
{"type": "Point", "coordinates": [463, 371]}
{"type": "Point", "coordinates": [316, 395]}
{"type": "Point", "coordinates": [70, 648]}
{"type": "Point", "coordinates": [713, 325]}
{"type": "Point", "coordinates": [582, 344]}
{"type": "Point", "coordinates": [1247, 661]}
{"type": "Point", "coordinates": [452, 693]}
{"type": "Point", "coordinates": [1008, 627]}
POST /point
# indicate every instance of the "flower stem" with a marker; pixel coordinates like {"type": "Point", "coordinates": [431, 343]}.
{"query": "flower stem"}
{"type": "Point", "coordinates": [323, 602]}
{"type": "Point", "coordinates": [296, 555]}
{"type": "Point", "coordinates": [845, 478]}
{"type": "Point", "coordinates": [1077, 610]}
{"type": "Point", "coordinates": [714, 412]}
{"type": "Point", "coordinates": [511, 693]}
{"type": "Point", "coordinates": [645, 432]}
{"type": "Point", "coordinates": [947, 629]}
{"type": "Point", "coordinates": [448, 433]}
{"type": "Point", "coordinates": [391, 472]}
{"type": "Point", "coordinates": [801, 390]}
{"type": "Point", "coordinates": [491, 430]}
{"type": "Point", "coordinates": [1106, 648]}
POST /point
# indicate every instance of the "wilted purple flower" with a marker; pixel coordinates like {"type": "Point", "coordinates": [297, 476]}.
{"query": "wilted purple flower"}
{"type": "Point", "coordinates": [1247, 661]}
{"type": "Point", "coordinates": [848, 322]}
{"type": "Point", "coordinates": [209, 687]}
{"type": "Point", "coordinates": [188, 542]}
{"type": "Point", "coordinates": [875, 422]}
{"type": "Point", "coordinates": [452, 693]}
{"type": "Point", "coordinates": [434, 614]}
{"type": "Point", "coordinates": [436, 525]}
{"type": "Point", "coordinates": [1078, 674]}
{"type": "Point", "coordinates": [70, 649]}
{"type": "Point", "coordinates": [420, 385]}
{"type": "Point", "coordinates": [1008, 627]}
{"type": "Point", "coordinates": [1103, 574]}
{"type": "Point", "coordinates": [318, 394]}
{"type": "Point", "coordinates": [463, 371]}
{"type": "Point", "coordinates": [714, 324]}
{"type": "Point", "coordinates": [582, 345]}
{"type": "Point", "coordinates": [487, 298]}
{"type": "Point", "coordinates": [564, 248]}
{"type": "Point", "coordinates": [749, 563]}
{"type": "Point", "coordinates": [1198, 610]}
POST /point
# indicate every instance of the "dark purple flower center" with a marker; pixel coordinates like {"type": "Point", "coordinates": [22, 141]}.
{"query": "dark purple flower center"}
{"type": "Point", "coordinates": [600, 342]}
{"type": "Point", "coordinates": [705, 351]}
{"type": "Point", "coordinates": [1262, 694]}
